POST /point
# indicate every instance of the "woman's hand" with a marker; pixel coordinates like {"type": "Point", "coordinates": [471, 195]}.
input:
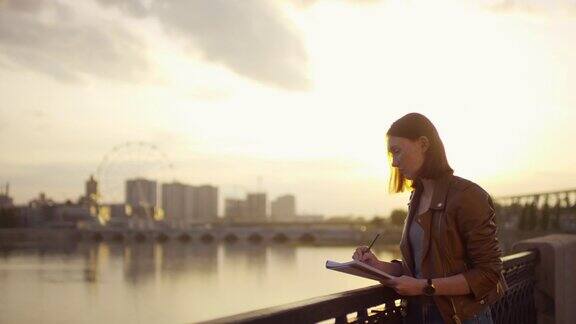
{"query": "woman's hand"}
{"type": "Point", "coordinates": [406, 285]}
{"type": "Point", "coordinates": [363, 254]}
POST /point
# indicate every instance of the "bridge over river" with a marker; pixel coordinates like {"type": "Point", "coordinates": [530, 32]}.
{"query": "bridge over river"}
{"type": "Point", "coordinates": [322, 233]}
{"type": "Point", "coordinates": [518, 217]}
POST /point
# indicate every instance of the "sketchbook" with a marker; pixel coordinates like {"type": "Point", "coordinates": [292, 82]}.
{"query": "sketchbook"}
{"type": "Point", "coordinates": [359, 269]}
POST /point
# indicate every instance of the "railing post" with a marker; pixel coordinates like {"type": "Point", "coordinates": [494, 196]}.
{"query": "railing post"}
{"type": "Point", "coordinates": [362, 315]}
{"type": "Point", "coordinates": [555, 290]}
{"type": "Point", "coordinates": [342, 319]}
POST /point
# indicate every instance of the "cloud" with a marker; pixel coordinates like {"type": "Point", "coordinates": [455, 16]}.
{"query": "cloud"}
{"type": "Point", "coordinates": [48, 36]}
{"type": "Point", "coordinates": [309, 3]}
{"type": "Point", "coordinates": [251, 37]}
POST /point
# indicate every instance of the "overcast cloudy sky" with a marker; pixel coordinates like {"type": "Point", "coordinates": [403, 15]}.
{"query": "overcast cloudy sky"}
{"type": "Point", "coordinates": [284, 96]}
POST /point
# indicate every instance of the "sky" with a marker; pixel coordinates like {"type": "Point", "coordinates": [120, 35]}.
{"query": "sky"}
{"type": "Point", "coordinates": [283, 96]}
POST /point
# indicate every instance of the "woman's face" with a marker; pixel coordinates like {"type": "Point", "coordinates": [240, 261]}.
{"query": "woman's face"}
{"type": "Point", "coordinates": [408, 155]}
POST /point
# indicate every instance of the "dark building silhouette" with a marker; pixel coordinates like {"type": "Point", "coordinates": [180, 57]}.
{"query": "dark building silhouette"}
{"type": "Point", "coordinates": [283, 208]}
{"type": "Point", "coordinates": [188, 204]}
{"type": "Point", "coordinates": [256, 206]}
{"type": "Point", "coordinates": [5, 199]}
{"type": "Point", "coordinates": [235, 209]}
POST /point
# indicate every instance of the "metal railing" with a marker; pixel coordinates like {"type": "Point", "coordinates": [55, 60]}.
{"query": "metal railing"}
{"type": "Point", "coordinates": [518, 305]}
{"type": "Point", "coordinates": [379, 304]}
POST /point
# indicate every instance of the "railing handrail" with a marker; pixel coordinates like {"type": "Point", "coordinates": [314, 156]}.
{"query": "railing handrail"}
{"type": "Point", "coordinates": [321, 308]}
{"type": "Point", "coordinates": [528, 195]}
{"type": "Point", "coordinates": [316, 308]}
{"type": "Point", "coordinates": [519, 257]}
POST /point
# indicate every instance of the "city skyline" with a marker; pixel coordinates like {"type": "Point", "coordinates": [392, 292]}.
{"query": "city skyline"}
{"type": "Point", "coordinates": [304, 105]}
{"type": "Point", "coordinates": [179, 201]}
{"type": "Point", "coordinates": [161, 160]}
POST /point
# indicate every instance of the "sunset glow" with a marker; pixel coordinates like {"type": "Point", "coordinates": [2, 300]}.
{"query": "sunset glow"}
{"type": "Point", "coordinates": [304, 105]}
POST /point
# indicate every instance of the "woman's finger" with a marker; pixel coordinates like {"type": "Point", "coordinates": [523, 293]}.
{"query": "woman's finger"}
{"type": "Point", "coordinates": [389, 282]}
{"type": "Point", "coordinates": [358, 254]}
{"type": "Point", "coordinates": [368, 256]}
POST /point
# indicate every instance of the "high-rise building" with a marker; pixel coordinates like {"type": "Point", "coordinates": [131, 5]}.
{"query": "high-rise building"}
{"type": "Point", "coordinates": [207, 203]}
{"type": "Point", "coordinates": [256, 206]}
{"type": "Point", "coordinates": [235, 209]}
{"type": "Point", "coordinates": [141, 193]}
{"type": "Point", "coordinates": [190, 204]}
{"type": "Point", "coordinates": [283, 208]}
{"type": "Point", "coordinates": [174, 201]}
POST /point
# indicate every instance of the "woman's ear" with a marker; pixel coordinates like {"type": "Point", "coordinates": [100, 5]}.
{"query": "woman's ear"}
{"type": "Point", "coordinates": [424, 143]}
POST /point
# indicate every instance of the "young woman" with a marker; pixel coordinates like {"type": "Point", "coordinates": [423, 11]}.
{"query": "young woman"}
{"type": "Point", "coordinates": [451, 263]}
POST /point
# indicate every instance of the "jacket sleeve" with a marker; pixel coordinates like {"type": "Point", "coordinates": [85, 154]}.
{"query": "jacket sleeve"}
{"type": "Point", "coordinates": [402, 264]}
{"type": "Point", "coordinates": [477, 226]}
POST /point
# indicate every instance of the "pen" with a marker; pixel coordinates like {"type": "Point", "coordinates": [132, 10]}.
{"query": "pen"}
{"type": "Point", "coordinates": [374, 240]}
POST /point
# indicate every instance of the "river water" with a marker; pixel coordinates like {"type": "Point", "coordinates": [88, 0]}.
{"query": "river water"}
{"type": "Point", "coordinates": [172, 282]}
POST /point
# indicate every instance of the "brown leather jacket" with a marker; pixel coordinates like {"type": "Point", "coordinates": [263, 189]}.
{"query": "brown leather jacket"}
{"type": "Point", "coordinates": [459, 237]}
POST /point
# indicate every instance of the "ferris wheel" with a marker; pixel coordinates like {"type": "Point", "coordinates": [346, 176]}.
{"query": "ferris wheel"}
{"type": "Point", "coordinates": [139, 162]}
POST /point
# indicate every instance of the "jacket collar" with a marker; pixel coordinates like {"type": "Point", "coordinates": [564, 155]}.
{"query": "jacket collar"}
{"type": "Point", "coordinates": [441, 187]}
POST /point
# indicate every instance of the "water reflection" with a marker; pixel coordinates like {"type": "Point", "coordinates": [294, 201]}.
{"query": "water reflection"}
{"type": "Point", "coordinates": [283, 255]}
{"type": "Point", "coordinates": [151, 282]}
{"type": "Point", "coordinates": [146, 261]}
{"type": "Point", "coordinates": [151, 261]}
{"type": "Point", "coordinates": [138, 262]}
{"type": "Point", "coordinates": [95, 256]}
{"type": "Point", "coordinates": [245, 258]}
{"type": "Point", "coordinates": [181, 260]}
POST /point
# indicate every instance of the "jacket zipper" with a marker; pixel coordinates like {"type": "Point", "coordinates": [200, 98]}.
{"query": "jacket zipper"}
{"type": "Point", "coordinates": [455, 317]}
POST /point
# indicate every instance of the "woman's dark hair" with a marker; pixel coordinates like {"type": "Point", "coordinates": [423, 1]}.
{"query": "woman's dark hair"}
{"type": "Point", "coordinates": [412, 126]}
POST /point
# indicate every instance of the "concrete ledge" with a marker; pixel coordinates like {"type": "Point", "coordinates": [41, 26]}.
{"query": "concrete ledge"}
{"type": "Point", "coordinates": [555, 289]}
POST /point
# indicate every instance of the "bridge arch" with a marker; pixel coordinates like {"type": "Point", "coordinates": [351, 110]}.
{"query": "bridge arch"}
{"type": "Point", "coordinates": [280, 238]}
{"type": "Point", "coordinates": [140, 237]}
{"type": "Point", "coordinates": [184, 237]}
{"type": "Point", "coordinates": [97, 237]}
{"type": "Point", "coordinates": [118, 237]}
{"type": "Point", "coordinates": [207, 238]}
{"type": "Point", "coordinates": [231, 238]}
{"type": "Point", "coordinates": [307, 238]}
{"type": "Point", "coordinates": [162, 237]}
{"type": "Point", "coordinates": [255, 238]}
